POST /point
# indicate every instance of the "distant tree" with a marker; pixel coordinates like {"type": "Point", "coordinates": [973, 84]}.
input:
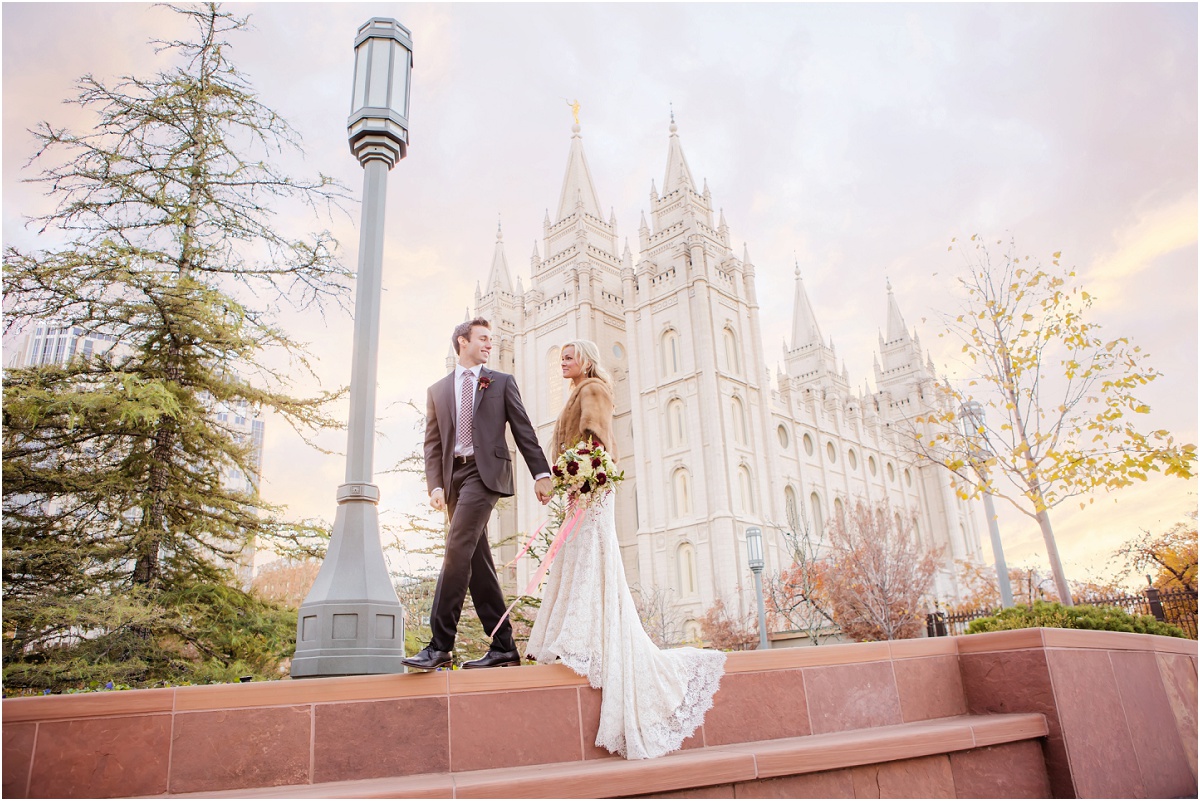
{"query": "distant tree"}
{"type": "Point", "coordinates": [1170, 557]}
{"type": "Point", "coordinates": [977, 586]}
{"type": "Point", "coordinates": [285, 581]}
{"type": "Point", "coordinates": [725, 630]}
{"type": "Point", "coordinates": [797, 598]}
{"type": "Point", "coordinates": [660, 616]}
{"type": "Point", "coordinates": [1061, 396]}
{"type": "Point", "coordinates": [1029, 583]}
{"type": "Point", "coordinates": [876, 575]}
{"type": "Point", "coordinates": [117, 525]}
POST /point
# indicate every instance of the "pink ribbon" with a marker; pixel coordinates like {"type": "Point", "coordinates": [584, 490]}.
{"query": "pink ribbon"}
{"type": "Point", "coordinates": [560, 539]}
{"type": "Point", "coordinates": [529, 543]}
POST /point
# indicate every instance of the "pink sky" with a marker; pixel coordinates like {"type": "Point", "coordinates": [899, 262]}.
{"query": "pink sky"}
{"type": "Point", "coordinates": [854, 139]}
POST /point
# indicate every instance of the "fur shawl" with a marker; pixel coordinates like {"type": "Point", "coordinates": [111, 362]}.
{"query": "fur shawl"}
{"type": "Point", "coordinates": [589, 409]}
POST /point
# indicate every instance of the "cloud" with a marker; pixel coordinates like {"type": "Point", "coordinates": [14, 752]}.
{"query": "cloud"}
{"type": "Point", "coordinates": [859, 137]}
{"type": "Point", "coordinates": [1155, 232]}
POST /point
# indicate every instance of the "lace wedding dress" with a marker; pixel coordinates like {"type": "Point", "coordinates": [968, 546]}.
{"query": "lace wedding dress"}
{"type": "Point", "coordinates": [652, 699]}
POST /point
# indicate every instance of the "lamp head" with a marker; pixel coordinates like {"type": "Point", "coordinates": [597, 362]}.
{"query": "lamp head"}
{"type": "Point", "coordinates": [378, 123]}
{"type": "Point", "coordinates": [754, 548]}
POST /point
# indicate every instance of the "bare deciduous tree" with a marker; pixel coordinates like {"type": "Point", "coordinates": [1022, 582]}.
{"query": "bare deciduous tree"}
{"type": "Point", "coordinates": [661, 618]}
{"type": "Point", "coordinates": [725, 630]}
{"type": "Point", "coordinates": [877, 575]}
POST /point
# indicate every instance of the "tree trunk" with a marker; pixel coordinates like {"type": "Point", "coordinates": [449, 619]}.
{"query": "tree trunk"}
{"type": "Point", "coordinates": [1060, 578]}
{"type": "Point", "coordinates": [153, 529]}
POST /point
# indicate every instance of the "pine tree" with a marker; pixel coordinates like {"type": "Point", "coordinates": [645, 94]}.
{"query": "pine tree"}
{"type": "Point", "coordinates": [117, 524]}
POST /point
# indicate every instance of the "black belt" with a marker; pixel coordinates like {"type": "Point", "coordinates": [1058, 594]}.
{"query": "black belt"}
{"type": "Point", "coordinates": [463, 460]}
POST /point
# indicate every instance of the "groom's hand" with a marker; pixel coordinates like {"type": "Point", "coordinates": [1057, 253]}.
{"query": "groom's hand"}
{"type": "Point", "coordinates": [544, 488]}
{"type": "Point", "coordinates": [437, 499]}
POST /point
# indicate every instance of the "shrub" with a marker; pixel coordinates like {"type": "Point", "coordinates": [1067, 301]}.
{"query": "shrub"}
{"type": "Point", "coordinates": [1083, 616]}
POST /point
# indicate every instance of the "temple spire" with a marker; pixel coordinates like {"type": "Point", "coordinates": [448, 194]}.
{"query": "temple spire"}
{"type": "Point", "coordinates": [678, 175]}
{"type": "Point", "coordinates": [805, 330]}
{"type": "Point", "coordinates": [577, 182]}
{"type": "Point", "coordinates": [499, 276]}
{"type": "Point", "coordinates": [896, 329]}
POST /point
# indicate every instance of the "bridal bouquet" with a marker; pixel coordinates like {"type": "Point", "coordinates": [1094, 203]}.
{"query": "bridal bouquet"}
{"type": "Point", "coordinates": [586, 469]}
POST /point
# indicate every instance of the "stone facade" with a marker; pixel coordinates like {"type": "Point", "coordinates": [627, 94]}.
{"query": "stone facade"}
{"type": "Point", "coordinates": [711, 443]}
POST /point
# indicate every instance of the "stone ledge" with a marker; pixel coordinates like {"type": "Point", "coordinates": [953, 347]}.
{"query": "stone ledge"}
{"type": "Point", "coordinates": [614, 777]}
{"type": "Point", "coordinates": [1084, 639]}
{"type": "Point", "coordinates": [529, 677]}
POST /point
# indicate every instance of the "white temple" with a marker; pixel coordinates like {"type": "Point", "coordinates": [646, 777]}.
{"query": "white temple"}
{"type": "Point", "coordinates": [710, 444]}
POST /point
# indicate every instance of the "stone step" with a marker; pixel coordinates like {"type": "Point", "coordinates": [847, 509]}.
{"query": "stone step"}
{"type": "Point", "coordinates": [715, 766]}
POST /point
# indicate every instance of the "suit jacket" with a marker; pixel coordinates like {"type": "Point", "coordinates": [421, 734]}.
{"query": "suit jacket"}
{"type": "Point", "coordinates": [495, 407]}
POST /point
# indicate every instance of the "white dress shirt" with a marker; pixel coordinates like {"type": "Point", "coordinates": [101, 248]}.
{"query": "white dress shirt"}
{"type": "Point", "coordinates": [459, 371]}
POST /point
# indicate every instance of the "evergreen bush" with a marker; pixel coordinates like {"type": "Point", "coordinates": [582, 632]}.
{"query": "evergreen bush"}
{"type": "Point", "coordinates": [1082, 616]}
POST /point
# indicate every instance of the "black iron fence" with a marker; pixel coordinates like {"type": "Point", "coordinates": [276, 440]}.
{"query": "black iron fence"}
{"type": "Point", "coordinates": [1177, 607]}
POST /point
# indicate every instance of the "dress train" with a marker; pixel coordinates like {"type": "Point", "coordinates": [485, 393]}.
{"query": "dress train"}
{"type": "Point", "coordinates": [652, 699]}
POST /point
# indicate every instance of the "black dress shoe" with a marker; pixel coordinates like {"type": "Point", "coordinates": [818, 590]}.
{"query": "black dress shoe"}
{"type": "Point", "coordinates": [428, 659]}
{"type": "Point", "coordinates": [495, 659]}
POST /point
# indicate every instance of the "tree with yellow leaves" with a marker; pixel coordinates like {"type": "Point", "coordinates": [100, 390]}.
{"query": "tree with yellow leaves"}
{"type": "Point", "coordinates": [1170, 556]}
{"type": "Point", "coordinates": [1062, 396]}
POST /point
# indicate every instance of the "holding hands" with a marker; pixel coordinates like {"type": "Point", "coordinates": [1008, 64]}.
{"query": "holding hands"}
{"type": "Point", "coordinates": [544, 488]}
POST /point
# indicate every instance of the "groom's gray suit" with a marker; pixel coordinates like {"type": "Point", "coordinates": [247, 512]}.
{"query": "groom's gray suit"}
{"type": "Point", "coordinates": [472, 488]}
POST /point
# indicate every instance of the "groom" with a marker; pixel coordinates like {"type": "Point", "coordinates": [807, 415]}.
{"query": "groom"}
{"type": "Point", "coordinates": [468, 468]}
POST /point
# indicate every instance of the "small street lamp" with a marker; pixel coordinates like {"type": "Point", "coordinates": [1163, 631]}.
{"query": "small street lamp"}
{"type": "Point", "coordinates": [754, 558]}
{"type": "Point", "coordinates": [352, 623]}
{"type": "Point", "coordinates": [971, 416]}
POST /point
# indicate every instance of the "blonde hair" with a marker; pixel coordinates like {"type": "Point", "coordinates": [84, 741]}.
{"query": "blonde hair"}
{"type": "Point", "coordinates": [587, 353]}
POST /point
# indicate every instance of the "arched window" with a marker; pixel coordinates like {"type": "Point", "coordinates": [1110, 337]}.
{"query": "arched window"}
{"type": "Point", "coordinates": [691, 632]}
{"type": "Point", "coordinates": [814, 501]}
{"type": "Point", "coordinates": [891, 471]}
{"type": "Point", "coordinates": [791, 508]}
{"type": "Point", "coordinates": [731, 352]}
{"type": "Point", "coordinates": [852, 458]}
{"type": "Point", "coordinates": [685, 558]}
{"type": "Point", "coordinates": [746, 489]}
{"type": "Point", "coordinates": [899, 524]}
{"type": "Point", "coordinates": [681, 493]}
{"type": "Point", "coordinates": [784, 440]}
{"type": "Point", "coordinates": [907, 477]}
{"type": "Point", "coordinates": [839, 511]}
{"type": "Point", "coordinates": [672, 357]}
{"type": "Point", "coordinates": [676, 433]}
{"type": "Point", "coordinates": [831, 452]}
{"type": "Point", "coordinates": [871, 464]}
{"type": "Point", "coordinates": [739, 421]}
{"type": "Point", "coordinates": [554, 379]}
{"type": "Point", "coordinates": [808, 445]}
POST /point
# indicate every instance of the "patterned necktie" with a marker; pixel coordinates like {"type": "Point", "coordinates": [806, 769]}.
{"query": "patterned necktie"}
{"type": "Point", "coordinates": [465, 409]}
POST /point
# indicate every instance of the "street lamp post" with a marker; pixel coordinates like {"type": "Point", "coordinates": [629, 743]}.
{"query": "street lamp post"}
{"type": "Point", "coordinates": [351, 622]}
{"type": "Point", "coordinates": [971, 416]}
{"type": "Point", "coordinates": [754, 557]}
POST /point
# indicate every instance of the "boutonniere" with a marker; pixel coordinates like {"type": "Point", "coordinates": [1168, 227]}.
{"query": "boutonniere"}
{"type": "Point", "coordinates": [484, 382]}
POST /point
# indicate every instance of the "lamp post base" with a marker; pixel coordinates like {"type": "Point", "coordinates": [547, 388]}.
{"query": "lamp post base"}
{"type": "Point", "coordinates": [360, 639]}
{"type": "Point", "coordinates": [351, 623]}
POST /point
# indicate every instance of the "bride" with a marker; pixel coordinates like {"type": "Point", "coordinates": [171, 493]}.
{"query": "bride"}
{"type": "Point", "coordinates": [652, 700]}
